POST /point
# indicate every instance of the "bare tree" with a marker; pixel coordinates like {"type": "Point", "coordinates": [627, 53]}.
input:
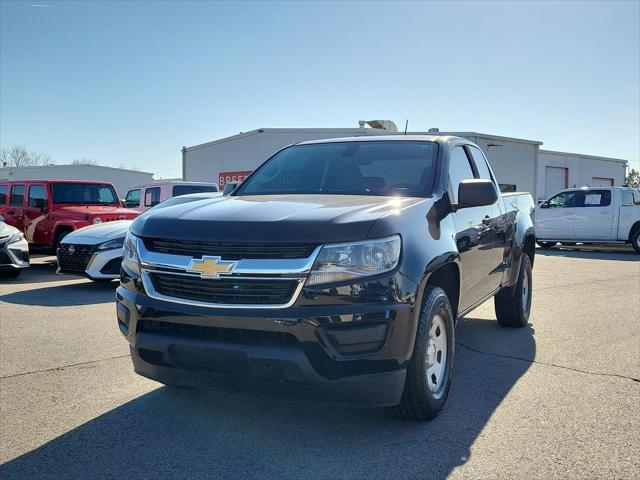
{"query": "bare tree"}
{"type": "Point", "coordinates": [18, 156]}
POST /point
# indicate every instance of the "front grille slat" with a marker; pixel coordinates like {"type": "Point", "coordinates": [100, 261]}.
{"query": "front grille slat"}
{"type": "Point", "coordinates": [230, 291]}
{"type": "Point", "coordinates": [229, 251]}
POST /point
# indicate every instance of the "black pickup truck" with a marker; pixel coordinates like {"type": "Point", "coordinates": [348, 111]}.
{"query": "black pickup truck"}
{"type": "Point", "coordinates": [335, 273]}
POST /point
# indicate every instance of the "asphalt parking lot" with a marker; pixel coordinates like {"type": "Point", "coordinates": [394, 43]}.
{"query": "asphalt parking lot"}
{"type": "Point", "coordinates": [558, 399]}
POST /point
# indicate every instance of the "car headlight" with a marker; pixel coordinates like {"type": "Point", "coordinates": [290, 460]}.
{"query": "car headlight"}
{"type": "Point", "coordinates": [15, 238]}
{"type": "Point", "coordinates": [97, 220]}
{"type": "Point", "coordinates": [112, 244]}
{"type": "Point", "coordinates": [338, 262]}
{"type": "Point", "coordinates": [130, 257]}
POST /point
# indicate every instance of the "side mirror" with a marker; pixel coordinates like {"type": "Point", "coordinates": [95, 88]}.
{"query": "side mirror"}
{"type": "Point", "coordinates": [544, 205]}
{"type": "Point", "coordinates": [229, 187]}
{"type": "Point", "coordinates": [44, 210]}
{"type": "Point", "coordinates": [476, 193]}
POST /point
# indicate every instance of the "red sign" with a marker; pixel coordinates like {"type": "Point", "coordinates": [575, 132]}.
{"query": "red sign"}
{"type": "Point", "coordinates": [232, 177]}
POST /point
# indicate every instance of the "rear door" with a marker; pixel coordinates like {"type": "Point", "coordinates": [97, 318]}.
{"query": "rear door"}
{"type": "Point", "coordinates": [36, 214]}
{"type": "Point", "coordinates": [594, 216]}
{"type": "Point", "coordinates": [15, 209]}
{"type": "Point", "coordinates": [555, 217]}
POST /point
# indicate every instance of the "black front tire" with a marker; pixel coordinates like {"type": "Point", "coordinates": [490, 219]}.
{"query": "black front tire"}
{"type": "Point", "coordinates": [546, 244]}
{"type": "Point", "coordinates": [513, 305]}
{"type": "Point", "coordinates": [635, 239]}
{"type": "Point", "coordinates": [418, 402]}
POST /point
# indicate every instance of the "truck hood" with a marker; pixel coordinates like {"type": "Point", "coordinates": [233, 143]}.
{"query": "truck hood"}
{"type": "Point", "coordinates": [271, 218]}
{"type": "Point", "coordinates": [102, 232]}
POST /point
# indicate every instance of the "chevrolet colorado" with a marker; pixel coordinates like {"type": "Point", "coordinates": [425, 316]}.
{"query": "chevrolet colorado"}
{"type": "Point", "coordinates": [334, 273]}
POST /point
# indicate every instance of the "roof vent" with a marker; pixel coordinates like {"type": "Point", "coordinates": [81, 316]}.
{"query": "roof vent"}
{"type": "Point", "coordinates": [380, 124]}
{"type": "Point", "coordinates": [434, 130]}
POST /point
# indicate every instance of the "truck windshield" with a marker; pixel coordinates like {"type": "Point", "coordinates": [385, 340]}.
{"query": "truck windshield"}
{"type": "Point", "coordinates": [84, 194]}
{"type": "Point", "coordinates": [387, 167]}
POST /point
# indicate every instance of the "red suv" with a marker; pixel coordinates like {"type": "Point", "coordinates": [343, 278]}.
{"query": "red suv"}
{"type": "Point", "coordinates": [46, 210]}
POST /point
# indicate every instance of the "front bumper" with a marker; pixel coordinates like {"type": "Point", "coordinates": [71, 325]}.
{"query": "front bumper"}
{"type": "Point", "coordinates": [327, 348]}
{"type": "Point", "coordinates": [14, 255]}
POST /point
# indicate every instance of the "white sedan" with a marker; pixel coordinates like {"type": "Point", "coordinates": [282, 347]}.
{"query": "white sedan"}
{"type": "Point", "coordinates": [14, 251]}
{"type": "Point", "coordinates": [96, 251]}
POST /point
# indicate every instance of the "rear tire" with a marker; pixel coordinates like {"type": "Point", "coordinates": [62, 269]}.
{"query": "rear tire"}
{"type": "Point", "coordinates": [635, 239]}
{"type": "Point", "coordinates": [513, 305]}
{"type": "Point", "coordinates": [429, 371]}
{"type": "Point", "coordinates": [546, 244]}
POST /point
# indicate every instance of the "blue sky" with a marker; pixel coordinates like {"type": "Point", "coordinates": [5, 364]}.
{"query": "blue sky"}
{"type": "Point", "coordinates": [132, 82]}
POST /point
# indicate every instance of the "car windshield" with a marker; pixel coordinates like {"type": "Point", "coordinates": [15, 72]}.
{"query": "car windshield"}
{"type": "Point", "coordinates": [84, 194]}
{"type": "Point", "coordinates": [387, 167]}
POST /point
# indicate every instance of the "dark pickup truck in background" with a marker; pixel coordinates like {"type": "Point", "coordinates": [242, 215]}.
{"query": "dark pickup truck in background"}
{"type": "Point", "coordinates": [335, 273]}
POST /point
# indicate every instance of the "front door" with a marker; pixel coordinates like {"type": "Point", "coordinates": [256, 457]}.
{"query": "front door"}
{"type": "Point", "coordinates": [594, 216]}
{"type": "Point", "coordinates": [554, 218]}
{"type": "Point", "coordinates": [15, 209]}
{"type": "Point", "coordinates": [474, 237]}
{"type": "Point", "coordinates": [36, 214]}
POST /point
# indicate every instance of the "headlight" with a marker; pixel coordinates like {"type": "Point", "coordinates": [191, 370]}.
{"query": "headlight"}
{"type": "Point", "coordinates": [339, 262]}
{"type": "Point", "coordinates": [16, 237]}
{"type": "Point", "coordinates": [111, 244]}
{"type": "Point", "coordinates": [130, 257]}
{"type": "Point", "coordinates": [97, 220]}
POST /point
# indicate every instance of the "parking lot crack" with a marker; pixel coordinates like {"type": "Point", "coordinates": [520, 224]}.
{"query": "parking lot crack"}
{"type": "Point", "coordinates": [63, 367]}
{"type": "Point", "coordinates": [547, 364]}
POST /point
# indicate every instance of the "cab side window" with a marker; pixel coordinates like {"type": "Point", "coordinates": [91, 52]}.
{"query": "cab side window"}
{"type": "Point", "coordinates": [37, 196]}
{"type": "Point", "coordinates": [17, 195]}
{"type": "Point", "coordinates": [564, 200]}
{"type": "Point", "coordinates": [627, 197]}
{"type": "Point", "coordinates": [459, 169]}
{"type": "Point", "coordinates": [596, 198]}
{"type": "Point", "coordinates": [151, 196]}
{"type": "Point", "coordinates": [132, 200]}
{"type": "Point", "coordinates": [481, 163]}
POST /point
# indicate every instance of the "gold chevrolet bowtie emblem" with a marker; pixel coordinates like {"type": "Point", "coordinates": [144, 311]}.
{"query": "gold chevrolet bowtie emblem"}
{"type": "Point", "coordinates": [211, 267]}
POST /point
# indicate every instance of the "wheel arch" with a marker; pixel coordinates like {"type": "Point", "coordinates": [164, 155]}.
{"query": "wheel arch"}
{"type": "Point", "coordinates": [447, 277]}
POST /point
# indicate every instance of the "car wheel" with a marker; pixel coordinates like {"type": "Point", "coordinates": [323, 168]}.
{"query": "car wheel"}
{"type": "Point", "coordinates": [546, 244]}
{"type": "Point", "coordinates": [59, 236]}
{"type": "Point", "coordinates": [514, 305]}
{"type": "Point", "coordinates": [429, 371]}
{"type": "Point", "coordinates": [635, 239]}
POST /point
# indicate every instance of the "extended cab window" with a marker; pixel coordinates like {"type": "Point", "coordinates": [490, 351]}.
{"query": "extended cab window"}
{"type": "Point", "coordinates": [37, 196]}
{"type": "Point", "coordinates": [17, 195]}
{"type": "Point", "coordinates": [627, 197]}
{"type": "Point", "coordinates": [636, 197]}
{"type": "Point", "coordinates": [596, 198]}
{"type": "Point", "coordinates": [564, 200]}
{"type": "Point", "coordinates": [151, 196]}
{"type": "Point", "coordinates": [3, 194]}
{"type": "Point", "coordinates": [459, 169]}
{"type": "Point", "coordinates": [387, 167]}
{"type": "Point", "coordinates": [132, 200]}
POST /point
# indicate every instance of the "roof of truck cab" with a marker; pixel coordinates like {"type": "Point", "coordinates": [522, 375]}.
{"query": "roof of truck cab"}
{"type": "Point", "coordinates": [387, 138]}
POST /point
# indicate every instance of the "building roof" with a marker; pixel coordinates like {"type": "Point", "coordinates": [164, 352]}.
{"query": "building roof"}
{"type": "Point", "coordinates": [356, 131]}
{"type": "Point", "coordinates": [34, 167]}
{"type": "Point", "coordinates": [580, 155]}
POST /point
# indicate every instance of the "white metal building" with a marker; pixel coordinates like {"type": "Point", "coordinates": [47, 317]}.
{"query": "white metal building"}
{"type": "Point", "coordinates": [230, 159]}
{"type": "Point", "coordinates": [559, 170]}
{"type": "Point", "coordinates": [121, 178]}
{"type": "Point", "coordinates": [519, 164]}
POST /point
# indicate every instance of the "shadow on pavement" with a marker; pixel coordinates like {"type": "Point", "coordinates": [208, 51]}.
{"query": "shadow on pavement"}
{"type": "Point", "coordinates": [86, 293]}
{"type": "Point", "coordinates": [182, 433]}
{"type": "Point", "coordinates": [622, 253]}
